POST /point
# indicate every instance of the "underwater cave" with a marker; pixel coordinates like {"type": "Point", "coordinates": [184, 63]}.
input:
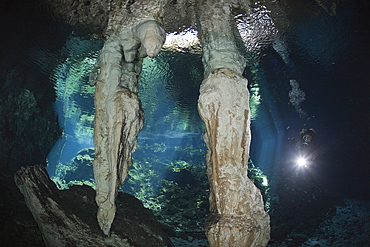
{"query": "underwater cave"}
{"type": "Point", "coordinates": [305, 65]}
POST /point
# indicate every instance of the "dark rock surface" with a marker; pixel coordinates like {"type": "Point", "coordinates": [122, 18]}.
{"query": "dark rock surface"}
{"type": "Point", "coordinates": [85, 14]}
{"type": "Point", "coordinates": [18, 227]}
{"type": "Point", "coordinates": [68, 218]}
{"type": "Point", "coordinates": [28, 124]}
{"type": "Point", "coordinates": [93, 15]}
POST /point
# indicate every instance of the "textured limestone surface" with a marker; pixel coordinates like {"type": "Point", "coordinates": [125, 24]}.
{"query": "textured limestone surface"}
{"type": "Point", "coordinates": [237, 216]}
{"type": "Point", "coordinates": [118, 113]}
{"type": "Point", "coordinates": [67, 218]}
{"type": "Point", "coordinates": [102, 17]}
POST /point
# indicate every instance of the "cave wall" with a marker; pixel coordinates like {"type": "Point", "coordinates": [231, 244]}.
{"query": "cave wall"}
{"type": "Point", "coordinates": [28, 124]}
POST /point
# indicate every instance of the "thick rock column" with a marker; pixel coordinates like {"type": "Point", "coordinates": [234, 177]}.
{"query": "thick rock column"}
{"type": "Point", "coordinates": [118, 114]}
{"type": "Point", "coordinates": [237, 216]}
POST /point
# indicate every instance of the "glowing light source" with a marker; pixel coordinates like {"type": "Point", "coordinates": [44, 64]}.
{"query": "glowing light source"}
{"type": "Point", "coordinates": [302, 162]}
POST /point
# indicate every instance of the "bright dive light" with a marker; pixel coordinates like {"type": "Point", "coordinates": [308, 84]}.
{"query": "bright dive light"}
{"type": "Point", "coordinates": [302, 162]}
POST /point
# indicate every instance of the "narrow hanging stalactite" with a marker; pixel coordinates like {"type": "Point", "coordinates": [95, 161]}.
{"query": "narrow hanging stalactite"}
{"type": "Point", "coordinates": [118, 113]}
{"type": "Point", "coordinates": [237, 216]}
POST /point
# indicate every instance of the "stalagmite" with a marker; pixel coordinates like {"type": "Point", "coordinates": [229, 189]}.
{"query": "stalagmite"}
{"type": "Point", "coordinates": [237, 216]}
{"type": "Point", "coordinates": [118, 114]}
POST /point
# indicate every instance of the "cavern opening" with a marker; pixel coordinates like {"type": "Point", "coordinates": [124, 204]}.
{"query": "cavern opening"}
{"type": "Point", "coordinates": [168, 173]}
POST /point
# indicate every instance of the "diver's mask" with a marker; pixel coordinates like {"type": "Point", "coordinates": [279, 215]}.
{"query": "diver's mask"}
{"type": "Point", "coordinates": [306, 139]}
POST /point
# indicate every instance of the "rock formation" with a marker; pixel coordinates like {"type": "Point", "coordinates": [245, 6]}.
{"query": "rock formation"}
{"type": "Point", "coordinates": [118, 114]}
{"type": "Point", "coordinates": [237, 216]}
{"type": "Point", "coordinates": [133, 31]}
{"type": "Point", "coordinates": [67, 218]}
{"type": "Point", "coordinates": [237, 213]}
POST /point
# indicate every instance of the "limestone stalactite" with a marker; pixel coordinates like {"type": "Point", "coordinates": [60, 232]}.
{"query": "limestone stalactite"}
{"type": "Point", "coordinates": [237, 216]}
{"type": "Point", "coordinates": [118, 114]}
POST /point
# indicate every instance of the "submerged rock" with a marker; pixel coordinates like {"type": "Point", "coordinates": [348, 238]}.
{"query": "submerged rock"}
{"type": "Point", "coordinates": [68, 218]}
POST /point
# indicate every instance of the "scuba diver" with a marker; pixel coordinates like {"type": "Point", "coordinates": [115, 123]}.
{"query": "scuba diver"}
{"type": "Point", "coordinates": [306, 147]}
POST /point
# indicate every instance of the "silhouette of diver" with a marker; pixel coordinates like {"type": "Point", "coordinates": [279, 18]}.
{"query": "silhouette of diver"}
{"type": "Point", "coordinates": [307, 144]}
